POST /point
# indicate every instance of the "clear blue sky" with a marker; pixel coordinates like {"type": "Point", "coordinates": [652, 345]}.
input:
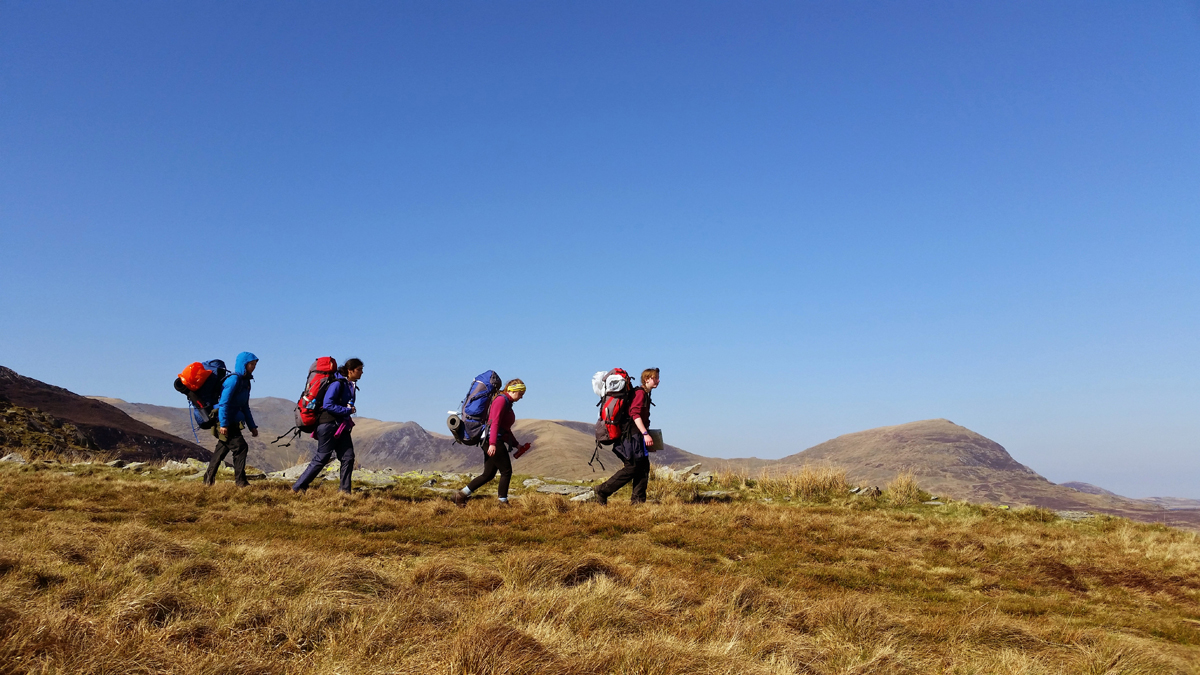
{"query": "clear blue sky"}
{"type": "Point", "coordinates": [816, 218]}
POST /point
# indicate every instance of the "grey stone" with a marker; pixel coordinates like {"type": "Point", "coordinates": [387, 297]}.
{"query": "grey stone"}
{"type": "Point", "coordinates": [584, 496]}
{"type": "Point", "coordinates": [563, 489]}
{"type": "Point", "coordinates": [556, 480]}
{"type": "Point", "coordinates": [715, 496]}
{"type": "Point", "coordinates": [13, 457]}
{"type": "Point", "coordinates": [429, 483]}
{"type": "Point", "coordinates": [133, 466]}
{"type": "Point", "coordinates": [532, 483]}
{"type": "Point", "coordinates": [290, 473]}
{"type": "Point", "coordinates": [1075, 516]}
{"type": "Point", "coordinates": [704, 478]}
{"type": "Point", "coordinates": [442, 490]}
{"type": "Point", "coordinates": [932, 502]}
{"type": "Point", "coordinates": [118, 463]}
{"type": "Point", "coordinates": [172, 465]}
{"type": "Point", "coordinates": [373, 477]}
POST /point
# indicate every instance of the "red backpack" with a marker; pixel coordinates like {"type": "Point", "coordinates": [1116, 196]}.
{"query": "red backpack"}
{"type": "Point", "coordinates": [320, 375]}
{"type": "Point", "coordinates": [616, 391]}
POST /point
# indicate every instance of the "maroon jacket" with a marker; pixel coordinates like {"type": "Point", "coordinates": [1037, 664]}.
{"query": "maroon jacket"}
{"type": "Point", "coordinates": [500, 421]}
{"type": "Point", "coordinates": [640, 407]}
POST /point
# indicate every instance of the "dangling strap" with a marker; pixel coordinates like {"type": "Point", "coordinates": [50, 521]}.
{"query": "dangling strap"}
{"type": "Point", "coordinates": [596, 458]}
{"type": "Point", "coordinates": [294, 432]}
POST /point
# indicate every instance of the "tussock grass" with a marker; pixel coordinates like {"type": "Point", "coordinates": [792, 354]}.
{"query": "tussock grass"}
{"type": "Point", "coordinates": [903, 490]}
{"type": "Point", "coordinates": [112, 573]}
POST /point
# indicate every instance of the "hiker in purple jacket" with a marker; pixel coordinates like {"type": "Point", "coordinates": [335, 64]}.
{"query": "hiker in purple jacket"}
{"type": "Point", "coordinates": [333, 428]}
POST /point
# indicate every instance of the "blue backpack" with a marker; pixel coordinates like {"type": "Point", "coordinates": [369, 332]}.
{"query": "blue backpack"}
{"type": "Point", "coordinates": [470, 424]}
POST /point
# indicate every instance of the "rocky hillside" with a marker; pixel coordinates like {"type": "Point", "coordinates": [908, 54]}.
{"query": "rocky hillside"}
{"type": "Point", "coordinates": [953, 461]}
{"type": "Point", "coordinates": [100, 426]}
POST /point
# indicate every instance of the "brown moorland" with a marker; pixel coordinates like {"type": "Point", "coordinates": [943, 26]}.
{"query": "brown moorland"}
{"type": "Point", "coordinates": [106, 572]}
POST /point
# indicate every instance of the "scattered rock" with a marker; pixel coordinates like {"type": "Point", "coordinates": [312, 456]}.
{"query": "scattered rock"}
{"type": "Point", "coordinates": [557, 480]}
{"type": "Point", "coordinates": [563, 489]}
{"type": "Point", "coordinates": [703, 478]}
{"type": "Point", "coordinates": [870, 492]}
{"type": "Point", "coordinates": [429, 483]}
{"type": "Point", "coordinates": [373, 477]}
{"type": "Point", "coordinates": [584, 496]}
{"type": "Point", "coordinates": [13, 457]}
{"type": "Point", "coordinates": [1074, 516]}
{"type": "Point", "coordinates": [715, 496]}
{"type": "Point", "coordinates": [172, 465]}
{"type": "Point", "coordinates": [291, 473]}
{"type": "Point", "coordinates": [933, 502]}
{"type": "Point", "coordinates": [532, 483]}
{"type": "Point", "coordinates": [117, 463]}
{"type": "Point", "coordinates": [678, 475]}
{"type": "Point", "coordinates": [133, 466]}
{"type": "Point", "coordinates": [442, 490]}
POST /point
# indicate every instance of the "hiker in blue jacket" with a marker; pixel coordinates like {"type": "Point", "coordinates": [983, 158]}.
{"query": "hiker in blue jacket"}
{"type": "Point", "coordinates": [233, 412]}
{"type": "Point", "coordinates": [333, 428]}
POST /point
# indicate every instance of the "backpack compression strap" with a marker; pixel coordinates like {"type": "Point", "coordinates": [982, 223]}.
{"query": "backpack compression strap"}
{"type": "Point", "coordinates": [294, 432]}
{"type": "Point", "coordinates": [596, 458]}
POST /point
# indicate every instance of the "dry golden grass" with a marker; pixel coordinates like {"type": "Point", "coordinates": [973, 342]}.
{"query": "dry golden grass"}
{"type": "Point", "coordinates": [113, 573]}
{"type": "Point", "coordinates": [903, 490]}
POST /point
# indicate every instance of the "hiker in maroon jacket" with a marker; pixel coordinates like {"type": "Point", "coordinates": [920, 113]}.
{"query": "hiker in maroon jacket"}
{"type": "Point", "coordinates": [501, 441]}
{"type": "Point", "coordinates": [632, 448]}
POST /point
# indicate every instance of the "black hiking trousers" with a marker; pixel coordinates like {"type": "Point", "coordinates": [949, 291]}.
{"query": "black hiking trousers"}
{"type": "Point", "coordinates": [235, 443]}
{"type": "Point", "coordinates": [636, 470]}
{"type": "Point", "coordinates": [498, 462]}
{"type": "Point", "coordinates": [329, 445]}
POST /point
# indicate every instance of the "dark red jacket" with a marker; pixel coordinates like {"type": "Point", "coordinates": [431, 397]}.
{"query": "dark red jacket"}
{"type": "Point", "coordinates": [500, 421]}
{"type": "Point", "coordinates": [640, 406]}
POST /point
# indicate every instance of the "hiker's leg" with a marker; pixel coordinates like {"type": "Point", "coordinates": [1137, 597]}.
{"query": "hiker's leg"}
{"type": "Point", "coordinates": [240, 449]}
{"type": "Point", "coordinates": [641, 478]}
{"type": "Point", "coordinates": [504, 464]}
{"type": "Point", "coordinates": [214, 464]}
{"type": "Point", "coordinates": [618, 480]}
{"type": "Point", "coordinates": [322, 456]}
{"type": "Point", "coordinates": [345, 455]}
{"type": "Point", "coordinates": [489, 470]}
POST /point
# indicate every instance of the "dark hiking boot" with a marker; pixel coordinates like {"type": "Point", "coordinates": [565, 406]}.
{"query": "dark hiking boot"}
{"type": "Point", "coordinates": [503, 505]}
{"type": "Point", "coordinates": [460, 500]}
{"type": "Point", "coordinates": [601, 499]}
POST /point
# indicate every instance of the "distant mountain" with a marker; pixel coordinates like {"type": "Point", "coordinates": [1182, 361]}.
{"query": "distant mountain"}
{"type": "Point", "coordinates": [100, 426]}
{"type": "Point", "coordinates": [1088, 488]}
{"type": "Point", "coordinates": [273, 415]}
{"type": "Point", "coordinates": [560, 448]}
{"type": "Point", "coordinates": [953, 461]}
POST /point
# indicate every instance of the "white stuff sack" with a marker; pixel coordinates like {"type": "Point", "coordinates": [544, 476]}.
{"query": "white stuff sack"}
{"type": "Point", "coordinates": [615, 383]}
{"type": "Point", "coordinates": [598, 382]}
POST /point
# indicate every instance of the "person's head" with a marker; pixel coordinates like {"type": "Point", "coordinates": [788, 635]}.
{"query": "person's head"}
{"type": "Point", "coordinates": [245, 363]}
{"type": "Point", "coordinates": [650, 378]}
{"type": "Point", "coordinates": [515, 389]}
{"type": "Point", "coordinates": [352, 369]}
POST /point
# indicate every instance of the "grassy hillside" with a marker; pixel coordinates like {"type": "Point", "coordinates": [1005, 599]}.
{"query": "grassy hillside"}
{"type": "Point", "coordinates": [107, 572]}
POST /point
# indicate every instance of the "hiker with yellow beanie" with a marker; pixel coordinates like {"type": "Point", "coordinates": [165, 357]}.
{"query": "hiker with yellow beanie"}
{"type": "Point", "coordinates": [501, 441]}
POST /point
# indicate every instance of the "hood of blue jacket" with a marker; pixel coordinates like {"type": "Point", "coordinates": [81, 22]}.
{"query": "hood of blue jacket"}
{"type": "Point", "coordinates": [239, 366]}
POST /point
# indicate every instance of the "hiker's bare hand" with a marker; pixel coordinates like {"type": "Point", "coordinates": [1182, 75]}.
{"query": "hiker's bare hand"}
{"type": "Point", "coordinates": [491, 450]}
{"type": "Point", "coordinates": [353, 410]}
{"type": "Point", "coordinates": [223, 431]}
{"type": "Point", "coordinates": [254, 433]}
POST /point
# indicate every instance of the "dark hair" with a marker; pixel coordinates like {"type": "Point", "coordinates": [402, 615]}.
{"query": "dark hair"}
{"type": "Point", "coordinates": [349, 365]}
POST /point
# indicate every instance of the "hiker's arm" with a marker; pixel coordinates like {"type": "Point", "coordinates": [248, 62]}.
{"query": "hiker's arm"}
{"type": "Point", "coordinates": [331, 397]}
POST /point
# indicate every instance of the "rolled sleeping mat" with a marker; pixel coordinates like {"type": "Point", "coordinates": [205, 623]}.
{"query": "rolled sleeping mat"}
{"type": "Point", "coordinates": [455, 424]}
{"type": "Point", "coordinates": [656, 438]}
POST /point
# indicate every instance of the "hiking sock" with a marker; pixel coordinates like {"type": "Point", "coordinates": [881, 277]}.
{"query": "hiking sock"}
{"type": "Point", "coordinates": [466, 491]}
{"type": "Point", "coordinates": [504, 499]}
